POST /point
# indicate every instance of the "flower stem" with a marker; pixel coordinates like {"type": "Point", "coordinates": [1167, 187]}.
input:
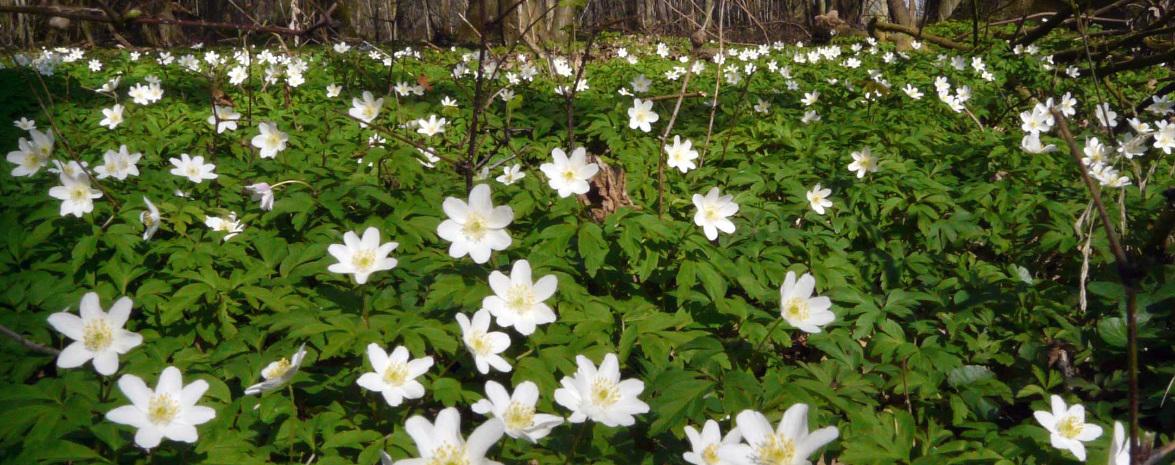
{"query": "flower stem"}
{"type": "Point", "coordinates": [767, 336]}
{"type": "Point", "coordinates": [575, 442]}
{"type": "Point", "coordinates": [293, 421]}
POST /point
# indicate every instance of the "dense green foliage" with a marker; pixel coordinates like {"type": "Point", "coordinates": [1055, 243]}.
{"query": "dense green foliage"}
{"type": "Point", "coordinates": [954, 270]}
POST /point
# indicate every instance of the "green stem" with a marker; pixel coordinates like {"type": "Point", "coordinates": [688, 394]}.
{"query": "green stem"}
{"type": "Point", "coordinates": [575, 442]}
{"type": "Point", "coordinates": [293, 420]}
{"type": "Point", "coordinates": [767, 336]}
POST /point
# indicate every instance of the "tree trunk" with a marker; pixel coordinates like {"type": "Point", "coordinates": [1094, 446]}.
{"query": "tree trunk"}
{"type": "Point", "coordinates": [900, 12]}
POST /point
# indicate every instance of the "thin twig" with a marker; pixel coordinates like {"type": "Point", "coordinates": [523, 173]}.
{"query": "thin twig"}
{"type": "Point", "coordinates": [28, 343]}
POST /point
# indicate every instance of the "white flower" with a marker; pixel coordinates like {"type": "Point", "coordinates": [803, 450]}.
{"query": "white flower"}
{"type": "Point", "coordinates": [485, 345]}
{"type": "Point", "coordinates": [112, 116]}
{"type": "Point", "coordinates": [1119, 448]}
{"type": "Point", "coordinates": [169, 411]}
{"type": "Point", "coordinates": [448, 101]}
{"type": "Point", "coordinates": [1039, 120]}
{"type": "Point", "coordinates": [810, 98]}
{"type": "Point", "coordinates": [863, 162]}
{"type": "Point", "coordinates": [600, 395]}
{"type": "Point", "coordinates": [810, 116]}
{"type": "Point", "coordinates": [362, 256]}
{"type": "Point", "coordinates": [640, 83]}
{"type": "Point", "coordinates": [762, 106]}
{"type": "Point", "coordinates": [1096, 153]}
{"type": "Point", "coordinates": [367, 109]}
{"type": "Point", "coordinates": [224, 118]}
{"type": "Point", "coordinates": [118, 165]}
{"type": "Point", "coordinates": [431, 126]}
{"type": "Point", "coordinates": [788, 444]}
{"type": "Point", "coordinates": [1164, 137]}
{"type": "Point", "coordinates": [192, 168]}
{"type": "Point", "coordinates": [278, 373]}
{"type": "Point", "coordinates": [475, 228]}
{"type": "Point", "coordinates": [681, 155]}
{"type": "Point", "coordinates": [395, 375]}
{"type": "Point", "coordinates": [705, 444]}
{"type": "Point", "coordinates": [150, 219]}
{"type": "Point", "coordinates": [271, 140]}
{"type": "Point", "coordinates": [1067, 427]}
{"type": "Point", "coordinates": [1140, 127]}
{"type": "Point", "coordinates": [517, 411]}
{"type": "Point", "coordinates": [1031, 144]}
{"type": "Point", "coordinates": [332, 90]}
{"type": "Point", "coordinates": [912, 91]}
{"type": "Point", "coordinates": [569, 175]}
{"type": "Point", "coordinates": [25, 124]}
{"type": "Point", "coordinates": [430, 158]}
{"type": "Point", "coordinates": [1105, 115]}
{"type": "Point", "coordinates": [511, 174]}
{"type": "Point", "coordinates": [76, 194]}
{"type": "Point", "coordinates": [32, 155]}
{"type": "Point", "coordinates": [97, 335]}
{"type": "Point", "coordinates": [237, 75]}
{"type": "Point", "coordinates": [713, 213]}
{"type": "Point", "coordinates": [110, 86]}
{"type": "Point", "coordinates": [799, 308]}
{"type": "Point", "coordinates": [1067, 105]}
{"type": "Point", "coordinates": [818, 199]}
{"type": "Point", "coordinates": [229, 225]}
{"type": "Point", "coordinates": [442, 444]}
{"type": "Point", "coordinates": [641, 115]}
{"type": "Point", "coordinates": [1161, 105]}
{"type": "Point", "coordinates": [262, 192]}
{"type": "Point", "coordinates": [519, 302]}
{"type": "Point", "coordinates": [342, 47]}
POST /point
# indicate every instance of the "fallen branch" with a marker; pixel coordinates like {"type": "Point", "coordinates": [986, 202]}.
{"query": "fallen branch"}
{"type": "Point", "coordinates": [1135, 63]}
{"type": "Point", "coordinates": [27, 343]}
{"type": "Point", "coordinates": [1043, 30]}
{"type": "Point", "coordinates": [876, 24]}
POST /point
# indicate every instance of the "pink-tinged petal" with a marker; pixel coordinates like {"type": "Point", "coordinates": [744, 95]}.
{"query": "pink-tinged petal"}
{"type": "Point", "coordinates": [127, 415]}
{"type": "Point", "coordinates": [90, 308]}
{"type": "Point", "coordinates": [105, 362]}
{"type": "Point", "coordinates": [68, 324]}
{"type": "Point", "coordinates": [74, 355]}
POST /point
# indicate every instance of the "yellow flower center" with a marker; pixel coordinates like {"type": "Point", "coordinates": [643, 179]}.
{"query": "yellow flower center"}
{"type": "Point", "coordinates": [79, 193]}
{"type": "Point", "coordinates": [96, 335]}
{"type": "Point", "coordinates": [396, 374]}
{"type": "Point", "coordinates": [604, 392]}
{"type": "Point", "coordinates": [193, 171]}
{"type": "Point", "coordinates": [569, 175]}
{"type": "Point", "coordinates": [363, 260]}
{"type": "Point", "coordinates": [480, 343]}
{"type": "Point", "coordinates": [710, 454]}
{"type": "Point", "coordinates": [274, 140]}
{"type": "Point", "coordinates": [31, 160]}
{"type": "Point", "coordinates": [448, 454]}
{"type": "Point", "coordinates": [518, 416]}
{"type": "Point", "coordinates": [277, 371]}
{"type": "Point", "coordinates": [520, 298]}
{"type": "Point", "coordinates": [162, 409]}
{"type": "Point", "coordinates": [712, 214]}
{"type": "Point", "coordinates": [796, 309]}
{"type": "Point", "coordinates": [475, 227]}
{"type": "Point", "coordinates": [1070, 427]}
{"type": "Point", "coordinates": [777, 450]}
